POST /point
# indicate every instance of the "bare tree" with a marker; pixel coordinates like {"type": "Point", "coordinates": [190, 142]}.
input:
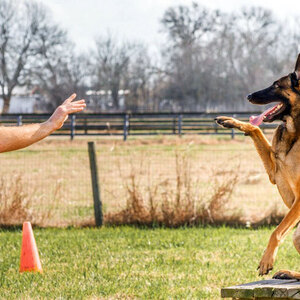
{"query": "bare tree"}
{"type": "Point", "coordinates": [112, 60]}
{"type": "Point", "coordinates": [19, 27]}
{"type": "Point", "coordinates": [185, 25]}
{"type": "Point", "coordinates": [210, 60]}
{"type": "Point", "coordinates": [213, 59]}
{"type": "Point", "coordinates": [140, 79]}
{"type": "Point", "coordinates": [56, 69]}
{"type": "Point", "coordinates": [190, 31]}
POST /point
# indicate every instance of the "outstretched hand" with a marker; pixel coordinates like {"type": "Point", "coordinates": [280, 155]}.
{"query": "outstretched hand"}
{"type": "Point", "coordinates": [62, 112]}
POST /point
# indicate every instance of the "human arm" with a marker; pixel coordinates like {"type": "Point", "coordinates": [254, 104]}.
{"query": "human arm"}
{"type": "Point", "coordinates": [14, 138]}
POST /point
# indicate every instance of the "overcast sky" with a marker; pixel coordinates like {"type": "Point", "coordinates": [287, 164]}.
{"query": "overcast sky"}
{"type": "Point", "coordinates": [139, 19]}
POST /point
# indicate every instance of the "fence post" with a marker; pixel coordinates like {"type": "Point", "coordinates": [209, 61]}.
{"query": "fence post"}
{"type": "Point", "coordinates": [19, 122]}
{"type": "Point", "coordinates": [85, 125]}
{"type": "Point", "coordinates": [125, 127]}
{"type": "Point", "coordinates": [232, 130]}
{"type": "Point", "coordinates": [73, 120]}
{"type": "Point", "coordinates": [95, 184]}
{"type": "Point", "coordinates": [179, 124]}
{"type": "Point", "coordinates": [232, 134]}
{"type": "Point", "coordinates": [174, 125]}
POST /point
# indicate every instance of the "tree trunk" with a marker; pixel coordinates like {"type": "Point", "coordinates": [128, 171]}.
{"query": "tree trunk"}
{"type": "Point", "coordinates": [6, 104]}
{"type": "Point", "coordinates": [115, 97]}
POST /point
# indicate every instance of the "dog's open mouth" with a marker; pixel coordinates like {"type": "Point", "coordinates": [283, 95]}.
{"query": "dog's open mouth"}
{"type": "Point", "coordinates": [268, 115]}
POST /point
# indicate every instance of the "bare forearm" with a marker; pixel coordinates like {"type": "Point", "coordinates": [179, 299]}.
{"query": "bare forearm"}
{"type": "Point", "coordinates": [14, 138]}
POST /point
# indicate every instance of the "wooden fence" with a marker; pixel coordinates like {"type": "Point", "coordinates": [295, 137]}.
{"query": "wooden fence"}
{"type": "Point", "coordinates": [125, 124]}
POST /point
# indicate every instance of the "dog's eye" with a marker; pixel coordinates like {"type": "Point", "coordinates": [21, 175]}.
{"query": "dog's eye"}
{"type": "Point", "coordinates": [276, 86]}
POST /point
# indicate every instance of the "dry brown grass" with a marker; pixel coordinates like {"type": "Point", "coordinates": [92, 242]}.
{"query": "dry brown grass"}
{"type": "Point", "coordinates": [16, 204]}
{"type": "Point", "coordinates": [272, 216]}
{"type": "Point", "coordinates": [170, 181]}
{"type": "Point", "coordinates": [164, 204]}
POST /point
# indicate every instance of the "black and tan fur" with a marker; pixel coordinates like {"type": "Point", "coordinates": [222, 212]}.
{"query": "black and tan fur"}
{"type": "Point", "coordinates": [281, 159]}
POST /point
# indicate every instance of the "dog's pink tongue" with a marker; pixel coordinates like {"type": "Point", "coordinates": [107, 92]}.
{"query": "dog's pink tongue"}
{"type": "Point", "coordinates": [257, 120]}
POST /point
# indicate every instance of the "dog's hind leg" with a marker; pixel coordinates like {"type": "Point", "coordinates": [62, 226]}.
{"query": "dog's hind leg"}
{"type": "Point", "coordinates": [261, 143]}
{"type": "Point", "coordinates": [287, 274]}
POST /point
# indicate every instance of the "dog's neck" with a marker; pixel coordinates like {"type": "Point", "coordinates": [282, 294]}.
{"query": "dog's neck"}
{"type": "Point", "coordinates": [285, 137]}
{"type": "Point", "coordinates": [290, 125]}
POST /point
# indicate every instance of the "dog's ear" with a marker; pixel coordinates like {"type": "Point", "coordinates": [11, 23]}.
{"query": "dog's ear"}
{"type": "Point", "coordinates": [297, 67]}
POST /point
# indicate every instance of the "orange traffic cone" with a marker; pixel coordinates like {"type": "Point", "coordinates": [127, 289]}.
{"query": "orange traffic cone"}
{"type": "Point", "coordinates": [30, 260]}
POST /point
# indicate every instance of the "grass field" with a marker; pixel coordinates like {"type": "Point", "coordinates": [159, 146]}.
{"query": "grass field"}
{"type": "Point", "coordinates": [55, 175]}
{"type": "Point", "coordinates": [131, 263]}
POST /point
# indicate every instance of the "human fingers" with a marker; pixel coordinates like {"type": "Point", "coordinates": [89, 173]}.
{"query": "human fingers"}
{"type": "Point", "coordinates": [78, 101]}
{"type": "Point", "coordinates": [70, 99]}
{"type": "Point", "coordinates": [75, 109]}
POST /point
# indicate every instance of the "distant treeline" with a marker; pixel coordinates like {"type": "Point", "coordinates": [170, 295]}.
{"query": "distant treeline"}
{"type": "Point", "coordinates": [210, 60]}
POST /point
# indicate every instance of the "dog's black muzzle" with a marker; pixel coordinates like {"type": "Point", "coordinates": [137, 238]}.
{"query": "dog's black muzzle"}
{"type": "Point", "coordinates": [264, 96]}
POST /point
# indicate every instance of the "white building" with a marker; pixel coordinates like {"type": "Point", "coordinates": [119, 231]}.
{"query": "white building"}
{"type": "Point", "coordinates": [22, 101]}
{"type": "Point", "coordinates": [102, 99]}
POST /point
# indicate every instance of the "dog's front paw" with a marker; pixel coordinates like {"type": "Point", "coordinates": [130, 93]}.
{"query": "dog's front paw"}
{"type": "Point", "coordinates": [229, 122]}
{"type": "Point", "coordinates": [226, 122]}
{"type": "Point", "coordinates": [266, 263]}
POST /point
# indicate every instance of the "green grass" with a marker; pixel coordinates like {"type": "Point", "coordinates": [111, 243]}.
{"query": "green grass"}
{"type": "Point", "coordinates": [125, 262]}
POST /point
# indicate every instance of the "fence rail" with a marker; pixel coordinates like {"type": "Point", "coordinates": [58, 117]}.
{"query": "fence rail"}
{"type": "Point", "coordinates": [125, 124]}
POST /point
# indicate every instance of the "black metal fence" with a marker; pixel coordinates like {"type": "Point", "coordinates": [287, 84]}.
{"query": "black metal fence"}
{"type": "Point", "coordinates": [53, 185]}
{"type": "Point", "coordinates": [126, 124]}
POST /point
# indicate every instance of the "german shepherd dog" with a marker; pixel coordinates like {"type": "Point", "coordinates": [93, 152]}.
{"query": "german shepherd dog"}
{"type": "Point", "coordinates": [281, 159]}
